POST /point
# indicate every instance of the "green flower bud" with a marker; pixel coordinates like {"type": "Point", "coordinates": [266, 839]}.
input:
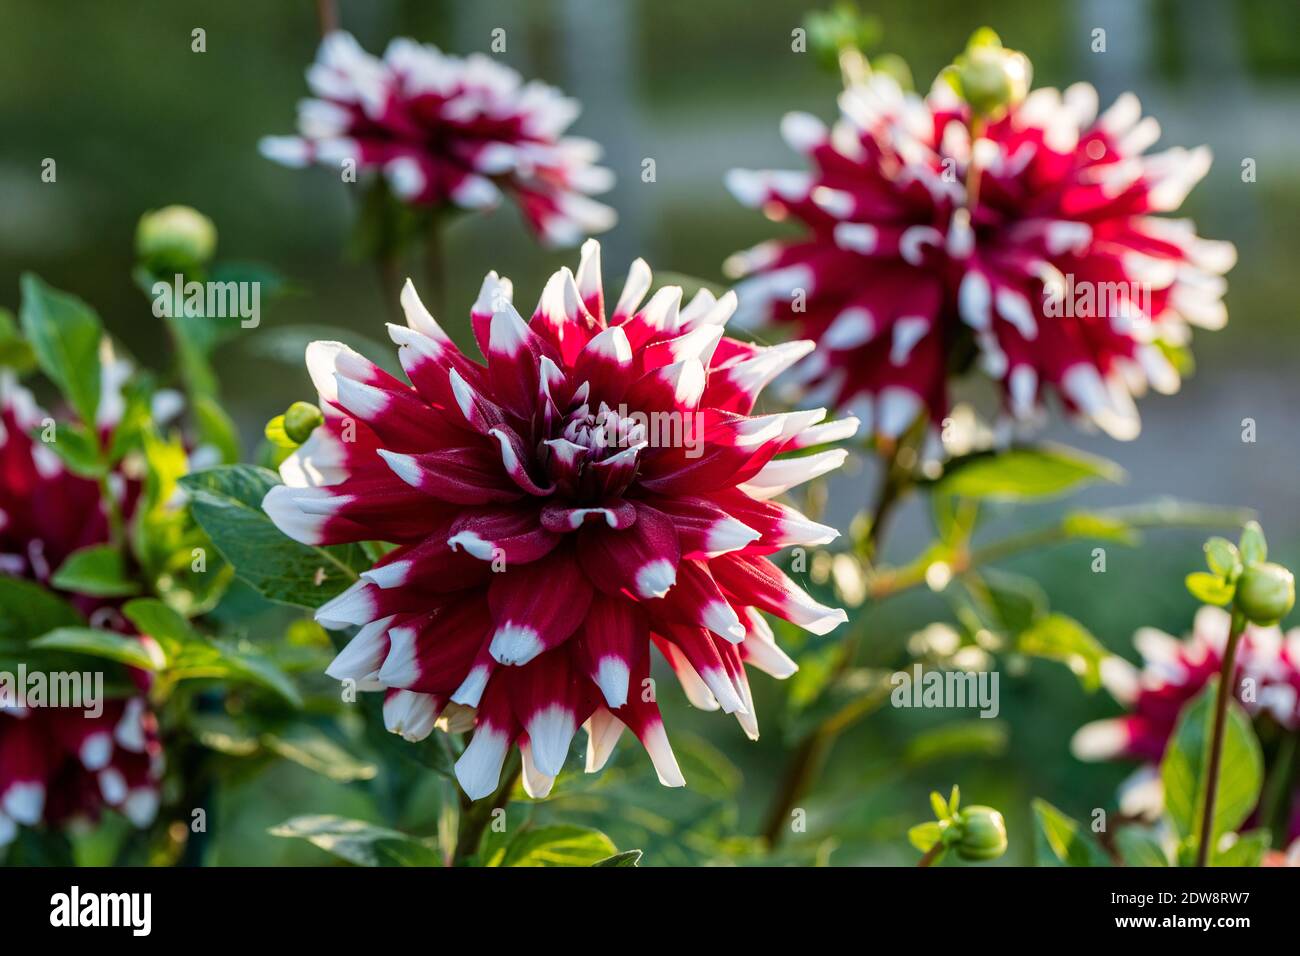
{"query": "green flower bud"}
{"type": "Point", "coordinates": [983, 833]}
{"type": "Point", "coordinates": [1265, 593]}
{"type": "Point", "coordinates": [989, 77]}
{"type": "Point", "coordinates": [175, 239]}
{"type": "Point", "coordinates": [301, 420]}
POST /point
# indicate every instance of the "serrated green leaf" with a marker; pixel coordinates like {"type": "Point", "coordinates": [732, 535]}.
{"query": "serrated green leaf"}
{"type": "Point", "coordinates": [1061, 841]}
{"type": "Point", "coordinates": [1060, 638]}
{"type": "Point", "coordinates": [227, 503]}
{"type": "Point", "coordinates": [1026, 473]}
{"type": "Point", "coordinates": [1209, 588]}
{"type": "Point", "coordinates": [96, 643]}
{"type": "Point", "coordinates": [1183, 771]}
{"type": "Point", "coordinates": [558, 845]}
{"type": "Point", "coordinates": [98, 570]}
{"type": "Point", "coordinates": [357, 842]}
{"type": "Point", "coordinates": [64, 334]}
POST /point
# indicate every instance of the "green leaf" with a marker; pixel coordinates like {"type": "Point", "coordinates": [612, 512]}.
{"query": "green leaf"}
{"type": "Point", "coordinates": [76, 447]}
{"type": "Point", "coordinates": [1184, 768]}
{"type": "Point", "coordinates": [1060, 841]}
{"type": "Point", "coordinates": [153, 617]}
{"type": "Point", "coordinates": [1139, 846]}
{"type": "Point", "coordinates": [1254, 548]}
{"type": "Point", "coordinates": [1100, 527]}
{"type": "Point", "coordinates": [357, 842]}
{"type": "Point", "coordinates": [227, 502]}
{"type": "Point", "coordinates": [1060, 638]}
{"type": "Point", "coordinates": [28, 610]}
{"type": "Point", "coordinates": [1209, 588]}
{"type": "Point", "coordinates": [64, 333]}
{"type": "Point", "coordinates": [1026, 473]}
{"type": "Point", "coordinates": [559, 845]}
{"type": "Point", "coordinates": [115, 647]}
{"type": "Point", "coordinates": [98, 570]}
{"type": "Point", "coordinates": [1222, 557]}
{"type": "Point", "coordinates": [312, 749]}
{"type": "Point", "coordinates": [222, 660]}
{"type": "Point", "coordinates": [626, 858]}
{"type": "Point", "coordinates": [924, 836]}
{"type": "Point", "coordinates": [1247, 851]}
{"type": "Point", "coordinates": [15, 353]}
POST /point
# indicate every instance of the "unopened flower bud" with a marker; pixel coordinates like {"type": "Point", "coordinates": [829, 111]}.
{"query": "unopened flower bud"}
{"type": "Point", "coordinates": [989, 77]}
{"type": "Point", "coordinates": [175, 238]}
{"type": "Point", "coordinates": [1265, 593]}
{"type": "Point", "coordinates": [983, 833]}
{"type": "Point", "coordinates": [301, 420]}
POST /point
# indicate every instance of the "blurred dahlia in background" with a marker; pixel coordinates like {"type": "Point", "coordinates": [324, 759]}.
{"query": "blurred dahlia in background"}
{"type": "Point", "coordinates": [56, 763]}
{"type": "Point", "coordinates": [599, 486]}
{"type": "Point", "coordinates": [1173, 673]}
{"type": "Point", "coordinates": [450, 132]}
{"type": "Point", "coordinates": [1031, 249]}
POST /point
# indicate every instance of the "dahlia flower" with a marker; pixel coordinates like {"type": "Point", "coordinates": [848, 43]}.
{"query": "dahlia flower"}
{"type": "Point", "coordinates": [446, 131]}
{"type": "Point", "coordinates": [57, 763]}
{"type": "Point", "coordinates": [600, 485]}
{"type": "Point", "coordinates": [1046, 264]}
{"type": "Point", "coordinates": [1173, 673]}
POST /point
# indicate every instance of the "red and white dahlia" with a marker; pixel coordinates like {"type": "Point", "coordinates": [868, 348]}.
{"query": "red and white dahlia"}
{"type": "Point", "coordinates": [59, 763]}
{"type": "Point", "coordinates": [1046, 264]}
{"type": "Point", "coordinates": [599, 486]}
{"type": "Point", "coordinates": [1267, 684]}
{"type": "Point", "coordinates": [446, 131]}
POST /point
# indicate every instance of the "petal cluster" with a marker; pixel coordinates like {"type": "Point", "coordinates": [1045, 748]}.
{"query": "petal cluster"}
{"type": "Point", "coordinates": [57, 763]}
{"type": "Point", "coordinates": [1175, 671]}
{"type": "Point", "coordinates": [599, 486]}
{"type": "Point", "coordinates": [1034, 250]}
{"type": "Point", "coordinates": [446, 131]}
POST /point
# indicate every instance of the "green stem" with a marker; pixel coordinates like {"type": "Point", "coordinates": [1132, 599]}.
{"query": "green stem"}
{"type": "Point", "coordinates": [1221, 698]}
{"type": "Point", "coordinates": [475, 818]}
{"type": "Point", "coordinates": [805, 765]}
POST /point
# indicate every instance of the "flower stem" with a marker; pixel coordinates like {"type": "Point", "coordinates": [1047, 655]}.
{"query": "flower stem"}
{"type": "Point", "coordinates": [932, 855]}
{"type": "Point", "coordinates": [474, 820]}
{"type": "Point", "coordinates": [327, 14]}
{"type": "Point", "coordinates": [1221, 696]}
{"type": "Point", "coordinates": [897, 480]}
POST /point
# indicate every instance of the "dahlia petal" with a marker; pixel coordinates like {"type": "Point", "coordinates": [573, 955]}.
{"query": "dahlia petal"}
{"type": "Point", "coordinates": [494, 295]}
{"type": "Point", "coordinates": [634, 290]}
{"type": "Point", "coordinates": [612, 643]}
{"type": "Point", "coordinates": [701, 650]}
{"type": "Point", "coordinates": [362, 657]}
{"type": "Point", "coordinates": [536, 608]}
{"type": "Point", "coordinates": [758, 582]}
{"type": "Point", "coordinates": [704, 528]}
{"type": "Point", "coordinates": [603, 730]}
{"type": "Point", "coordinates": [588, 279]}
{"type": "Point", "coordinates": [642, 558]}
{"type": "Point", "coordinates": [605, 362]}
{"type": "Point", "coordinates": [465, 476]}
{"type": "Point", "coordinates": [1102, 739]}
{"type": "Point", "coordinates": [782, 474]}
{"type": "Point", "coordinates": [515, 536]}
{"type": "Point", "coordinates": [697, 599]}
{"type": "Point", "coordinates": [410, 715]}
{"type": "Point", "coordinates": [536, 784]}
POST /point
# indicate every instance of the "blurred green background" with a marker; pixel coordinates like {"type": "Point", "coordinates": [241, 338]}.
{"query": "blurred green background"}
{"type": "Point", "coordinates": [135, 120]}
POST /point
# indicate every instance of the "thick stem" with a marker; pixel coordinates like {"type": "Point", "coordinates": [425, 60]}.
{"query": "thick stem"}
{"type": "Point", "coordinates": [1221, 698]}
{"type": "Point", "coordinates": [474, 820]}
